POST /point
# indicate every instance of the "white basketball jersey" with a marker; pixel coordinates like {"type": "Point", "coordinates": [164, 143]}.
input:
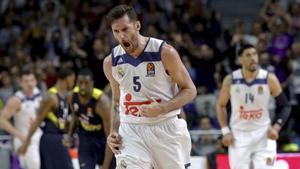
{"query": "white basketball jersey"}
{"type": "Point", "coordinates": [138, 77]}
{"type": "Point", "coordinates": [249, 101]}
{"type": "Point", "coordinates": [27, 114]}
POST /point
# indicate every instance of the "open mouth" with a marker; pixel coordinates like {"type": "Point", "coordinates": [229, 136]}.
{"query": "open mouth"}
{"type": "Point", "coordinates": [126, 44]}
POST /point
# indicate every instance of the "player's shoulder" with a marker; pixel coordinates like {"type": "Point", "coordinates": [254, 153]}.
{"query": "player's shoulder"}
{"type": "Point", "coordinates": [228, 79]}
{"type": "Point", "coordinates": [107, 59]}
{"type": "Point", "coordinates": [271, 77]}
{"type": "Point", "coordinates": [97, 93]}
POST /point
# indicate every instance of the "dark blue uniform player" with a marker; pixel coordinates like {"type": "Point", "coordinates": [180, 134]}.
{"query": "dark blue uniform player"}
{"type": "Point", "coordinates": [54, 111]}
{"type": "Point", "coordinates": [90, 107]}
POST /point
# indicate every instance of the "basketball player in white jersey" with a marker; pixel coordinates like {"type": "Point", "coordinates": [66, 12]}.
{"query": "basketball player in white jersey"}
{"type": "Point", "coordinates": [251, 136]}
{"type": "Point", "coordinates": [145, 75]}
{"type": "Point", "coordinates": [22, 107]}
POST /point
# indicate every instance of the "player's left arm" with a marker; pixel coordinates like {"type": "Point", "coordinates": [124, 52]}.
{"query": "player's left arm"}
{"type": "Point", "coordinates": [281, 102]}
{"type": "Point", "coordinates": [103, 110]}
{"type": "Point", "coordinates": [177, 71]}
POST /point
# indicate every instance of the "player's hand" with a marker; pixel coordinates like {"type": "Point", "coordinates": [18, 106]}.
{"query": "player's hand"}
{"type": "Point", "coordinates": [114, 142]}
{"type": "Point", "coordinates": [273, 133]}
{"type": "Point", "coordinates": [228, 139]}
{"type": "Point", "coordinates": [67, 141]}
{"type": "Point", "coordinates": [23, 149]}
{"type": "Point", "coordinates": [151, 110]}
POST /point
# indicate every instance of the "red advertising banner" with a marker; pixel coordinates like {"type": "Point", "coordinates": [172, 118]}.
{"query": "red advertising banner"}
{"type": "Point", "coordinates": [284, 161]}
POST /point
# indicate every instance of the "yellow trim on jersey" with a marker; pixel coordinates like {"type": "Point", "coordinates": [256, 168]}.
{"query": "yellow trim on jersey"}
{"type": "Point", "coordinates": [51, 116]}
{"type": "Point", "coordinates": [90, 127]}
{"type": "Point", "coordinates": [76, 89]}
{"type": "Point", "coordinates": [53, 90]}
{"type": "Point", "coordinates": [96, 92]}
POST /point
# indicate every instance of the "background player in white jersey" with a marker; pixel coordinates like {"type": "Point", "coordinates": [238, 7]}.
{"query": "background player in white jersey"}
{"type": "Point", "coordinates": [22, 107]}
{"type": "Point", "coordinates": [251, 137]}
{"type": "Point", "coordinates": [144, 74]}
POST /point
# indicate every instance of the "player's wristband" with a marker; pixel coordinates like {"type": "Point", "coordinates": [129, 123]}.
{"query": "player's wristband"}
{"type": "Point", "coordinates": [225, 130]}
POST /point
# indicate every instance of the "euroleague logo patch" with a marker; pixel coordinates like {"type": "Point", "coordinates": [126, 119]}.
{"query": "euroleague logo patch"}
{"type": "Point", "coordinates": [150, 70]}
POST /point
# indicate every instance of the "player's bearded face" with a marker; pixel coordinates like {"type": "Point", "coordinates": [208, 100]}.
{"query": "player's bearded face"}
{"type": "Point", "coordinates": [126, 33]}
{"type": "Point", "coordinates": [250, 59]}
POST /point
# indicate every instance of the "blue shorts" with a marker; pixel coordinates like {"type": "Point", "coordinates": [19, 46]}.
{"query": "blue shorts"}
{"type": "Point", "coordinates": [54, 155]}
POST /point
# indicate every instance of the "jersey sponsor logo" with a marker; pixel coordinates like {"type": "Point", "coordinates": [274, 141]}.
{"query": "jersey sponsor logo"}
{"type": "Point", "coordinates": [131, 107]}
{"type": "Point", "coordinates": [250, 114]}
{"type": "Point", "coordinates": [150, 70]}
{"type": "Point", "coordinates": [86, 125]}
{"type": "Point", "coordinates": [120, 61]}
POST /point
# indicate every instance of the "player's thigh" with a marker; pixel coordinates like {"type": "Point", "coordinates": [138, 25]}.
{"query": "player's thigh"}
{"type": "Point", "coordinates": [264, 157]}
{"type": "Point", "coordinates": [134, 153]}
{"type": "Point", "coordinates": [174, 146]}
{"type": "Point", "coordinates": [239, 157]}
{"type": "Point", "coordinates": [132, 162]}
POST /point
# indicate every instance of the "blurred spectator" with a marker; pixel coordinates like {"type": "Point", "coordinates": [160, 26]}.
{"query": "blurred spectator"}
{"type": "Point", "coordinates": [204, 144]}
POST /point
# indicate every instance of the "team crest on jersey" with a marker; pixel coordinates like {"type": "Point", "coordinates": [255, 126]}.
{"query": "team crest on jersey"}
{"type": "Point", "coordinates": [123, 164]}
{"type": "Point", "coordinates": [89, 111]}
{"type": "Point", "coordinates": [260, 90]}
{"type": "Point", "coordinates": [150, 70]}
{"type": "Point", "coordinates": [237, 90]}
{"type": "Point", "coordinates": [121, 72]}
{"type": "Point", "coordinates": [270, 161]}
{"type": "Point", "coordinates": [75, 107]}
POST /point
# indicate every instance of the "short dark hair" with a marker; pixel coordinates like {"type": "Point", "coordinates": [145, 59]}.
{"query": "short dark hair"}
{"type": "Point", "coordinates": [243, 48]}
{"type": "Point", "coordinates": [26, 71]}
{"type": "Point", "coordinates": [119, 11]}
{"type": "Point", "coordinates": [64, 72]}
{"type": "Point", "coordinates": [86, 72]}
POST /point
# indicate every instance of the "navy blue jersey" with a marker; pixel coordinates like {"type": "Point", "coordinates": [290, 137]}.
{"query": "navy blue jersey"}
{"type": "Point", "coordinates": [89, 122]}
{"type": "Point", "coordinates": [56, 121]}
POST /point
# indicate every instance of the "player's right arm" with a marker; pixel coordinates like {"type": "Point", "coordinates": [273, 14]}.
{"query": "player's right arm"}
{"type": "Point", "coordinates": [11, 108]}
{"type": "Point", "coordinates": [113, 139]}
{"type": "Point", "coordinates": [67, 140]}
{"type": "Point", "coordinates": [222, 101]}
{"type": "Point", "coordinates": [48, 103]}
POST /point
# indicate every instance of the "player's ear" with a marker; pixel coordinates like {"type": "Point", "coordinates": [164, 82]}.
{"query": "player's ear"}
{"type": "Point", "coordinates": [240, 59]}
{"type": "Point", "coordinates": [138, 25]}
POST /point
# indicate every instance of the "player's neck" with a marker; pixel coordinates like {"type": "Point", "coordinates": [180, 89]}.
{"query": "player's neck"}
{"type": "Point", "coordinates": [142, 42]}
{"type": "Point", "coordinates": [248, 75]}
{"type": "Point", "coordinates": [61, 89]}
{"type": "Point", "coordinates": [84, 99]}
{"type": "Point", "coordinates": [28, 93]}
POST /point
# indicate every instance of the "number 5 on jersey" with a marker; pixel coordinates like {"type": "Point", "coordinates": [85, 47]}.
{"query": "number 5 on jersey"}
{"type": "Point", "coordinates": [136, 83]}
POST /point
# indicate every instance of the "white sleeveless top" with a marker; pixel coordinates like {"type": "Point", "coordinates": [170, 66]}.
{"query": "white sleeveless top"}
{"type": "Point", "coordinates": [249, 101]}
{"type": "Point", "coordinates": [27, 114]}
{"type": "Point", "coordinates": [139, 77]}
